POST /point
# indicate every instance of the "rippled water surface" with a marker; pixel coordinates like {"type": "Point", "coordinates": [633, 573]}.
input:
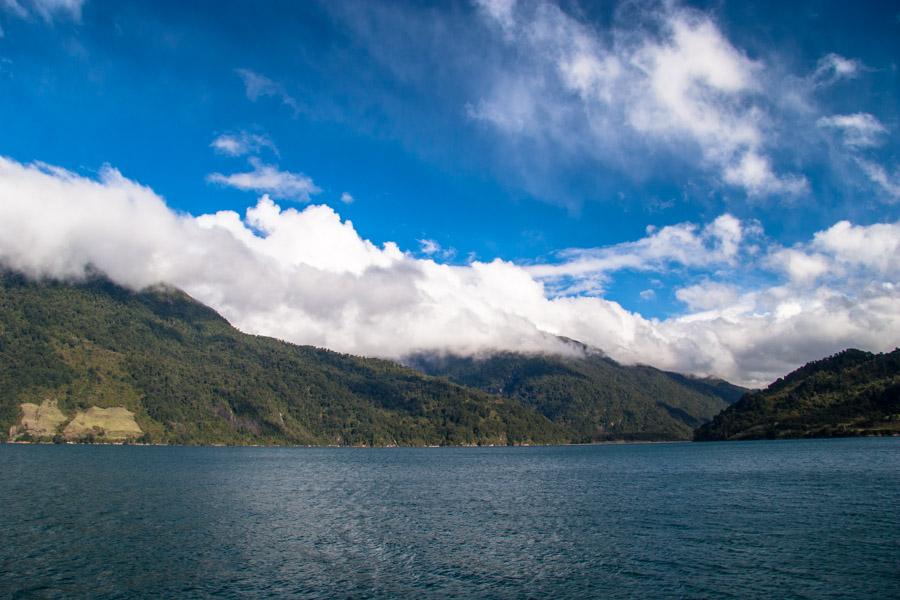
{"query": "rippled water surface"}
{"type": "Point", "coordinates": [810, 519]}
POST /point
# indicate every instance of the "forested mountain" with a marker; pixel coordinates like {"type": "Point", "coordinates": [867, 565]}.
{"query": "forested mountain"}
{"type": "Point", "coordinates": [590, 394]}
{"type": "Point", "coordinates": [850, 393]}
{"type": "Point", "coordinates": [94, 361]}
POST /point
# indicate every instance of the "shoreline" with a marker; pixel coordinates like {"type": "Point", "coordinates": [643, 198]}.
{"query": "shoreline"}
{"type": "Point", "coordinates": [395, 447]}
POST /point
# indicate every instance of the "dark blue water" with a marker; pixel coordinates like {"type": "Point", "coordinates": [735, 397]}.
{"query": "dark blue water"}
{"type": "Point", "coordinates": [805, 519]}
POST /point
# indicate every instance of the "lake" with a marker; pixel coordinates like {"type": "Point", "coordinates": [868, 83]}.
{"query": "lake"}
{"type": "Point", "coordinates": [786, 519]}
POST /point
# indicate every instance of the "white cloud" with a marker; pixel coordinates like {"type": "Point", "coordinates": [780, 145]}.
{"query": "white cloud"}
{"type": "Point", "coordinates": [270, 180]}
{"type": "Point", "coordinates": [800, 266]}
{"type": "Point", "coordinates": [853, 254]}
{"type": "Point", "coordinates": [754, 173]}
{"type": "Point", "coordinates": [681, 82]}
{"type": "Point", "coordinates": [499, 10]}
{"type": "Point", "coordinates": [346, 198]}
{"type": "Point", "coordinates": [429, 247]}
{"type": "Point", "coordinates": [834, 67]}
{"type": "Point", "coordinates": [241, 143]}
{"type": "Point", "coordinates": [860, 130]}
{"type": "Point", "coordinates": [434, 250]}
{"type": "Point", "coordinates": [259, 86]}
{"type": "Point", "coordinates": [875, 248]}
{"type": "Point", "coordinates": [889, 184]}
{"type": "Point", "coordinates": [708, 295]}
{"type": "Point", "coordinates": [48, 10]}
{"type": "Point", "coordinates": [308, 277]}
{"type": "Point", "coordinates": [647, 294]}
{"type": "Point", "coordinates": [585, 270]}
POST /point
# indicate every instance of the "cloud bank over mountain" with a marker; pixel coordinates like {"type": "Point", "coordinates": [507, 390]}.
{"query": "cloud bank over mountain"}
{"type": "Point", "coordinates": [308, 277]}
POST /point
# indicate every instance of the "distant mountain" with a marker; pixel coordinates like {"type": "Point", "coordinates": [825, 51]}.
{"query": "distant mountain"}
{"type": "Point", "coordinates": [850, 393]}
{"type": "Point", "coordinates": [96, 362]}
{"type": "Point", "coordinates": [591, 395]}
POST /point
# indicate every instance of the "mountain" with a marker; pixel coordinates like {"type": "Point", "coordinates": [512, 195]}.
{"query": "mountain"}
{"type": "Point", "coordinates": [850, 393]}
{"type": "Point", "coordinates": [591, 395]}
{"type": "Point", "coordinates": [95, 361]}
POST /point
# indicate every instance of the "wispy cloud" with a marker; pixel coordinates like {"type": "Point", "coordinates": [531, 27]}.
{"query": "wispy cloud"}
{"type": "Point", "coordinates": [859, 130]}
{"type": "Point", "coordinates": [834, 67]}
{"type": "Point", "coordinates": [269, 179]}
{"type": "Point", "coordinates": [259, 86]}
{"type": "Point", "coordinates": [681, 81]}
{"type": "Point", "coordinates": [434, 250]}
{"type": "Point", "coordinates": [586, 270]}
{"type": "Point", "coordinates": [242, 143]}
{"type": "Point", "coordinates": [887, 182]}
{"type": "Point", "coordinates": [48, 10]}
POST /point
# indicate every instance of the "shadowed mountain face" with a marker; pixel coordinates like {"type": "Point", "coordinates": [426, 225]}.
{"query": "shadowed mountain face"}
{"type": "Point", "coordinates": [592, 396]}
{"type": "Point", "coordinates": [187, 376]}
{"type": "Point", "coordinates": [850, 393]}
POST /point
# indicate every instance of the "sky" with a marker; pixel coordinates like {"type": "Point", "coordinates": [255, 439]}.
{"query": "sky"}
{"type": "Point", "coordinates": [709, 187]}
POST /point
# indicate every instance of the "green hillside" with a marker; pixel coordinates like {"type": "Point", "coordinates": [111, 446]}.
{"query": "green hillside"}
{"type": "Point", "coordinates": [850, 393]}
{"type": "Point", "coordinates": [73, 353]}
{"type": "Point", "coordinates": [593, 396]}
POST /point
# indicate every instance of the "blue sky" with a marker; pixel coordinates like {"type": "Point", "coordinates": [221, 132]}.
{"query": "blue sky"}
{"type": "Point", "coordinates": [537, 133]}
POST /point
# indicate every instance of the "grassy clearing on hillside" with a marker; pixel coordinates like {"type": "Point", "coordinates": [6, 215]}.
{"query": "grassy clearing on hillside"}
{"type": "Point", "coordinates": [114, 424]}
{"type": "Point", "coordinates": [38, 420]}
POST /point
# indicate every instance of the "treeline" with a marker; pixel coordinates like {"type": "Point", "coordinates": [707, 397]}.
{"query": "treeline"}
{"type": "Point", "coordinates": [847, 394]}
{"type": "Point", "coordinates": [593, 397]}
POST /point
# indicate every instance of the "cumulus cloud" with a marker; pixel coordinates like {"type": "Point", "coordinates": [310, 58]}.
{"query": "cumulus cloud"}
{"type": "Point", "coordinates": [801, 267]}
{"type": "Point", "coordinates": [708, 295]}
{"type": "Point", "coordinates": [875, 248]}
{"type": "Point", "coordinates": [48, 10]}
{"type": "Point", "coordinates": [259, 86]}
{"type": "Point", "coordinates": [677, 81]}
{"type": "Point", "coordinates": [241, 143]}
{"type": "Point", "coordinates": [851, 254]}
{"type": "Point", "coordinates": [270, 180]}
{"type": "Point", "coordinates": [308, 277]}
{"type": "Point", "coordinates": [347, 198]}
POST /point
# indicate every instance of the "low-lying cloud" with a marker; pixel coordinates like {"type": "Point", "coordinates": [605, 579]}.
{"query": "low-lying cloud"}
{"type": "Point", "coordinates": [307, 276]}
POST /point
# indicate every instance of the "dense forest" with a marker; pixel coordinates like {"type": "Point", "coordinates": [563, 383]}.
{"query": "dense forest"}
{"type": "Point", "coordinates": [189, 377]}
{"type": "Point", "coordinates": [591, 395]}
{"type": "Point", "coordinates": [850, 393]}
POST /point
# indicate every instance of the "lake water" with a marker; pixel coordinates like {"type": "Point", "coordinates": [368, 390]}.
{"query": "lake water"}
{"type": "Point", "coordinates": [804, 519]}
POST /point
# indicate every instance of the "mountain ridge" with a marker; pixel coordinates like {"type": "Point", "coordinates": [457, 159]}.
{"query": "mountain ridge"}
{"type": "Point", "coordinates": [849, 393]}
{"type": "Point", "coordinates": [593, 395]}
{"type": "Point", "coordinates": [189, 377]}
{"type": "Point", "coordinates": [100, 358]}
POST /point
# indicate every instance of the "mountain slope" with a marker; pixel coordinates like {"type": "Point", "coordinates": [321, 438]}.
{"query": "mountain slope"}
{"type": "Point", "coordinates": [850, 393]}
{"type": "Point", "coordinates": [592, 396]}
{"type": "Point", "coordinates": [181, 373]}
